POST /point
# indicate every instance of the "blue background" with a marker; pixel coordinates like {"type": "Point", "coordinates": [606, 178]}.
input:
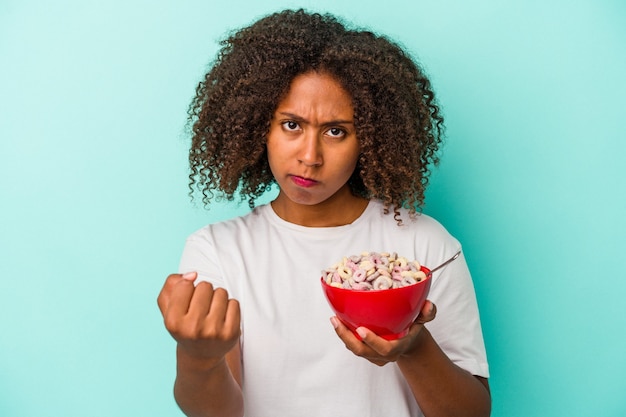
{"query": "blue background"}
{"type": "Point", "coordinates": [94, 211]}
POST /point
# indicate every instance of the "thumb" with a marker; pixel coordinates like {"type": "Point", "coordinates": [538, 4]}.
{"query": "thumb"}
{"type": "Point", "coordinates": [428, 313]}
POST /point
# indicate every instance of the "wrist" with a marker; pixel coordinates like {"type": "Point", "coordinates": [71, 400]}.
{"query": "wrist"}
{"type": "Point", "coordinates": [417, 347]}
{"type": "Point", "coordinates": [190, 360]}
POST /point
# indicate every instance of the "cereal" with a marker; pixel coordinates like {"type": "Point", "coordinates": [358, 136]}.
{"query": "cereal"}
{"type": "Point", "coordinates": [373, 271]}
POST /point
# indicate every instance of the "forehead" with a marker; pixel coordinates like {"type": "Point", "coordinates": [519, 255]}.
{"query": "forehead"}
{"type": "Point", "coordinates": [315, 92]}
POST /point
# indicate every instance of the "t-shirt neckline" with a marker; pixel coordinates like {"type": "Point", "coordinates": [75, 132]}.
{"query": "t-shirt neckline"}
{"type": "Point", "coordinates": [271, 215]}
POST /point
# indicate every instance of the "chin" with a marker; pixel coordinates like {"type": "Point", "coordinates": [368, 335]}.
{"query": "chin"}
{"type": "Point", "coordinates": [303, 198]}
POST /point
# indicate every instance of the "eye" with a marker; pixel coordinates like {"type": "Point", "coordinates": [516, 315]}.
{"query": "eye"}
{"type": "Point", "coordinates": [290, 126]}
{"type": "Point", "coordinates": [336, 132]}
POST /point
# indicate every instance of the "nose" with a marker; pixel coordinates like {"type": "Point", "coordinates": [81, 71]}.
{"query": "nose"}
{"type": "Point", "coordinates": [311, 150]}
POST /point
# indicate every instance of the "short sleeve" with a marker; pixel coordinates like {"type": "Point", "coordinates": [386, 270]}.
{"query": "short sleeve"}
{"type": "Point", "coordinates": [457, 328]}
{"type": "Point", "coordinates": [199, 255]}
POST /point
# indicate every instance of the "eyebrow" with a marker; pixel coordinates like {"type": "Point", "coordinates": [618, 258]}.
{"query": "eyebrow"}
{"type": "Point", "coordinates": [302, 119]}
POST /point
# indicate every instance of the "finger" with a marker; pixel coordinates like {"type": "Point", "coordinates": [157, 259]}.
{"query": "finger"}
{"type": "Point", "coordinates": [223, 319]}
{"type": "Point", "coordinates": [201, 301]}
{"type": "Point", "coordinates": [218, 307]}
{"type": "Point", "coordinates": [356, 346]}
{"type": "Point", "coordinates": [180, 298]}
{"type": "Point", "coordinates": [347, 337]}
{"type": "Point", "coordinates": [164, 296]}
{"type": "Point", "coordinates": [342, 331]}
{"type": "Point", "coordinates": [379, 345]}
{"type": "Point", "coordinates": [232, 321]}
{"type": "Point", "coordinates": [428, 313]}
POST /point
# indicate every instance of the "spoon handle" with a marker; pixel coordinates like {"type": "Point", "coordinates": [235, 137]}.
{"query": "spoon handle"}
{"type": "Point", "coordinates": [456, 255]}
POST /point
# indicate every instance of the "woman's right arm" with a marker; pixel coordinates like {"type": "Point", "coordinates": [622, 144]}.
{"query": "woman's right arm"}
{"type": "Point", "coordinates": [206, 325]}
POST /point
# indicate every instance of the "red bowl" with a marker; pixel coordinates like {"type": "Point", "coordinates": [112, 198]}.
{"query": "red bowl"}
{"type": "Point", "coordinates": [388, 313]}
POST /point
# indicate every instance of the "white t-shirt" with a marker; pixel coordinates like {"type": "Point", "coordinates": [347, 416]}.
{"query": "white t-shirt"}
{"type": "Point", "coordinates": [293, 362]}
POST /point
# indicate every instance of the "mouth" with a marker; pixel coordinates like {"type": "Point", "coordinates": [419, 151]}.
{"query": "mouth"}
{"type": "Point", "coordinates": [303, 182]}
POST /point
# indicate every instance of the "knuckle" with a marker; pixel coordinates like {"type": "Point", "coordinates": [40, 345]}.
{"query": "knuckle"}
{"type": "Point", "coordinates": [205, 285]}
{"type": "Point", "coordinates": [220, 333]}
{"type": "Point", "coordinates": [190, 331]}
{"type": "Point", "coordinates": [385, 351]}
{"type": "Point", "coordinates": [358, 350]}
{"type": "Point", "coordinates": [231, 334]}
{"type": "Point", "coordinates": [171, 280]}
{"type": "Point", "coordinates": [220, 293]}
{"type": "Point", "coordinates": [182, 329]}
{"type": "Point", "coordinates": [161, 301]}
{"type": "Point", "coordinates": [210, 331]}
{"type": "Point", "coordinates": [172, 323]}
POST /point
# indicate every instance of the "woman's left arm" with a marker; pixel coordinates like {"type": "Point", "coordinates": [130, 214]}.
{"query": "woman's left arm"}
{"type": "Point", "coordinates": [440, 387]}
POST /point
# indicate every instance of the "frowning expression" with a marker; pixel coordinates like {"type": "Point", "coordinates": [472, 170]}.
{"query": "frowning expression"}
{"type": "Point", "coordinates": [312, 146]}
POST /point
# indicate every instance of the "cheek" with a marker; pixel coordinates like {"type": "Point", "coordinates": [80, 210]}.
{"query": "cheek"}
{"type": "Point", "coordinates": [354, 158]}
{"type": "Point", "coordinates": [344, 171]}
{"type": "Point", "coordinates": [270, 145]}
{"type": "Point", "coordinates": [276, 157]}
{"type": "Point", "coordinates": [274, 153]}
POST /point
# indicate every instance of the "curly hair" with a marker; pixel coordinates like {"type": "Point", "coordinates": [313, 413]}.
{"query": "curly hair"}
{"type": "Point", "coordinates": [397, 120]}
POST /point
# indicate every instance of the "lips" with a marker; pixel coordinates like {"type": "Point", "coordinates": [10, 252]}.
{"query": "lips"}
{"type": "Point", "coordinates": [303, 182]}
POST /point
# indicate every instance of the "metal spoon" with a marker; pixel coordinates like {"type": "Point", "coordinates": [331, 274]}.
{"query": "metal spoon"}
{"type": "Point", "coordinates": [456, 255]}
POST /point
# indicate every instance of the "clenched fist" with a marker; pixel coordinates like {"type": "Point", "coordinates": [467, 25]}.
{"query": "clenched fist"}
{"type": "Point", "coordinates": [203, 320]}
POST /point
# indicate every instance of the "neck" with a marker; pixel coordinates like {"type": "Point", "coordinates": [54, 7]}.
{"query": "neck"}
{"type": "Point", "coordinates": [330, 213]}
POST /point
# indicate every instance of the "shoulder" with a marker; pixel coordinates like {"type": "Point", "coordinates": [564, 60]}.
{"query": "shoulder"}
{"type": "Point", "coordinates": [427, 229]}
{"type": "Point", "coordinates": [410, 222]}
{"type": "Point", "coordinates": [419, 234]}
{"type": "Point", "coordinates": [208, 247]}
{"type": "Point", "coordinates": [428, 223]}
{"type": "Point", "coordinates": [254, 217]}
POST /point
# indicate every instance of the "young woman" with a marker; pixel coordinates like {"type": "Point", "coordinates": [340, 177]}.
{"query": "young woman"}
{"type": "Point", "coordinates": [346, 124]}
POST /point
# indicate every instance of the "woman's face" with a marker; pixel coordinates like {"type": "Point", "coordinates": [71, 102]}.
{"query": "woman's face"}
{"type": "Point", "coordinates": [312, 146]}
